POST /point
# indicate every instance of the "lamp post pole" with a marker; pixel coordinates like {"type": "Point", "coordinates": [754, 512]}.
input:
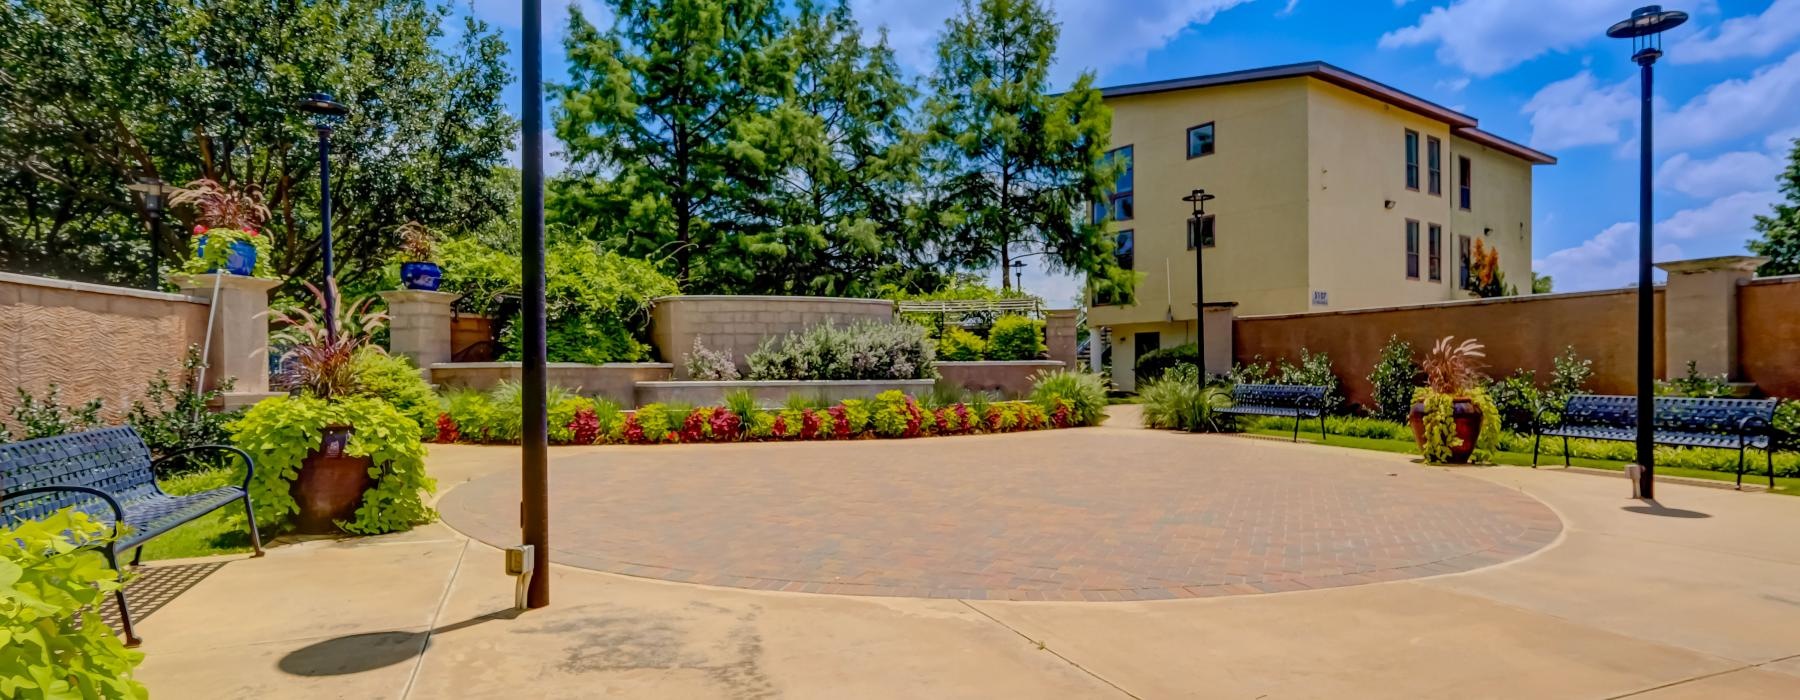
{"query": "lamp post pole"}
{"type": "Point", "coordinates": [1196, 231]}
{"type": "Point", "coordinates": [1644, 28]}
{"type": "Point", "coordinates": [534, 513]}
{"type": "Point", "coordinates": [326, 113]}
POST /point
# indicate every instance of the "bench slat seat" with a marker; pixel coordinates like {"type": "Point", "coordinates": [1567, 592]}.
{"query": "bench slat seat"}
{"type": "Point", "coordinates": [1289, 400]}
{"type": "Point", "coordinates": [1680, 421]}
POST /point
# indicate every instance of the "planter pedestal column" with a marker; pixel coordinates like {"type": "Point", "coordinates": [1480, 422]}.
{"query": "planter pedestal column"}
{"type": "Point", "coordinates": [240, 333]}
{"type": "Point", "coordinates": [419, 326]}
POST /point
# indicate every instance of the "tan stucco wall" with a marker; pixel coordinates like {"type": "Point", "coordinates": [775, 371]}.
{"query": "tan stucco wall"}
{"type": "Point", "coordinates": [616, 382]}
{"type": "Point", "coordinates": [738, 324]}
{"type": "Point", "coordinates": [1009, 379]}
{"type": "Point", "coordinates": [1769, 335]}
{"type": "Point", "coordinates": [1519, 332]}
{"type": "Point", "coordinates": [1219, 344]}
{"type": "Point", "coordinates": [1501, 203]}
{"type": "Point", "coordinates": [91, 341]}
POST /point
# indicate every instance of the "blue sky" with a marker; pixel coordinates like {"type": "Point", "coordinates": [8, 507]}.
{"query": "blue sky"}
{"type": "Point", "coordinates": [1539, 72]}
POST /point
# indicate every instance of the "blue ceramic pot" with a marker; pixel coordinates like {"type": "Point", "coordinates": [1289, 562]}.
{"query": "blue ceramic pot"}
{"type": "Point", "coordinates": [420, 276]}
{"type": "Point", "coordinates": [240, 260]}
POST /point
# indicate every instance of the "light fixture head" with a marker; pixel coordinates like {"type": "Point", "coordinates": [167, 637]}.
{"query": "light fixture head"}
{"type": "Point", "coordinates": [1389, 204]}
{"type": "Point", "coordinates": [1644, 28]}
{"type": "Point", "coordinates": [1199, 198]}
{"type": "Point", "coordinates": [321, 104]}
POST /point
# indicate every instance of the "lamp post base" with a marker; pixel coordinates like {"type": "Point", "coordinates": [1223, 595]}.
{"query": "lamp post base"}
{"type": "Point", "coordinates": [1635, 473]}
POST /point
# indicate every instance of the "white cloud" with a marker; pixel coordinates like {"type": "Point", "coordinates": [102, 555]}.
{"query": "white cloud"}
{"type": "Point", "coordinates": [1453, 84]}
{"type": "Point", "coordinates": [1737, 171]}
{"type": "Point", "coordinates": [1097, 34]}
{"type": "Point", "coordinates": [1576, 111]}
{"type": "Point", "coordinates": [1609, 259]}
{"type": "Point", "coordinates": [1285, 11]}
{"type": "Point", "coordinates": [1750, 35]}
{"type": "Point", "coordinates": [1484, 37]}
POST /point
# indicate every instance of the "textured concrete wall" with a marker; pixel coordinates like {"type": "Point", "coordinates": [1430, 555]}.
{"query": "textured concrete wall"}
{"type": "Point", "coordinates": [1769, 335]}
{"type": "Point", "coordinates": [773, 393]}
{"type": "Point", "coordinates": [615, 381]}
{"type": "Point", "coordinates": [91, 341]}
{"type": "Point", "coordinates": [1520, 333]}
{"type": "Point", "coordinates": [1009, 379]}
{"type": "Point", "coordinates": [738, 324]}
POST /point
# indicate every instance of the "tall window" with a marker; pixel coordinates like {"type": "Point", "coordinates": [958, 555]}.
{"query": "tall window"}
{"type": "Point", "coordinates": [1463, 180]}
{"type": "Point", "coordinates": [1434, 243]}
{"type": "Point", "coordinates": [1200, 140]}
{"type": "Point", "coordinates": [1462, 247]}
{"type": "Point", "coordinates": [1206, 231]}
{"type": "Point", "coordinates": [1118, 205]}
{"type": "Point", "coordinates": [1412, 159]}
{"type": "Point", "coordinates": [1412, 249]}
{"type": "Point", "coordinates": [1434, 165]}
{"type": "Point", "coordinates": [1126, 249]}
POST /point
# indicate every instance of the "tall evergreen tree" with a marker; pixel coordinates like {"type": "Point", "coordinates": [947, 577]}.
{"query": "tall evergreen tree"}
{"type": "Point", "coordinates": [1015, 165]}
{"type": "Point", "coordinates": [1780, 231]}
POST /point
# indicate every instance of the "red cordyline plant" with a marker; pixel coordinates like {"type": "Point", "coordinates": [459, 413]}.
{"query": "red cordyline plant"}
{"type": "Point", "coordinates": [809, 424]}
{"type": "Point", "coordinates": [316, 363]}
{"type": "Point", "coordinates": [447, 431]}
{"type": "Point", "coordinates": [1452, 369]}
{"type": "Point", "coordinates": [221, 206]}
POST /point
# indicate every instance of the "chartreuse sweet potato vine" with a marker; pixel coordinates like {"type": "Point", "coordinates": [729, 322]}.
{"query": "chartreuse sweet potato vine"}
{"type": "Point", "coordinates": [52, 584]}
{"type": "Point", "coordinates": [280, 432]}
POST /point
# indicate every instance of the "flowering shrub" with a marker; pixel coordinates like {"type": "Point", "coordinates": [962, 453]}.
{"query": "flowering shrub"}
{"type": "Point", "coordinates": [706, 364]}
{"type": "Point", "coordinates": [862, 350]}
{"type": "Point", "coordinates": [1015, 338]}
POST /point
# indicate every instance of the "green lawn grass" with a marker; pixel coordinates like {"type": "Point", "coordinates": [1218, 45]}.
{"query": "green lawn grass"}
{"type": "Point", "coordinates": [1783, 485]}
{"type": "Point", "coordinates": [217, 532]}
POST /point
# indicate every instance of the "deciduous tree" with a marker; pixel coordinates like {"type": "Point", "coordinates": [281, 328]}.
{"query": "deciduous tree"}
{"type": "Point", "coordinates": [1779, 237]}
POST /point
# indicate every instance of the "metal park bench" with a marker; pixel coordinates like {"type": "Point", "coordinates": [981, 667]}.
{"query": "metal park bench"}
{"type": "Point", "coordinates": [1291, 400]}
{"type": "Point", "coordinates": [1681, 421]}
{"type": "Point", "coordinates": [108, 473]}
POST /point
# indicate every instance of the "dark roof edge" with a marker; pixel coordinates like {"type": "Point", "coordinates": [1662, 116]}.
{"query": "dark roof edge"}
{"type": "Point", "coordinates": [1517, 150]}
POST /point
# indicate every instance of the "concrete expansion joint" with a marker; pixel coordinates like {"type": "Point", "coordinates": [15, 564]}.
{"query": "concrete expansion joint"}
{"type": "Point", "coordinates": [1046, 648]}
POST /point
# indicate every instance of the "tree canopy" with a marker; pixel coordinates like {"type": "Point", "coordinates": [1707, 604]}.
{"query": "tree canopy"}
{"type": "Point", "coordinates": [1779, 232]}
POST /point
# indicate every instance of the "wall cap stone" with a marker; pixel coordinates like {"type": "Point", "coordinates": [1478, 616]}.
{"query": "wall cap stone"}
{"type": "Point", "coordinates": [1777, 279]}
{"type": "Point", "coordinates": [1739, 263]}
{"type": "Point", "coordinates": [761, 297]}
{"type": "Point", "coordinates": [998, 363]}
{"type": "Point", "coordinates": [419, 296]}
{"type": "Point", "coordinates": [552, 365]}
{"type": "Point", "coordinates": [1519, 299]}
{"type": "Point", "coordinates": [52, 283]}
{"type": "Point", "coordinates": [204, 283]}
{"type": "Point", "coordinates": [753, 383]}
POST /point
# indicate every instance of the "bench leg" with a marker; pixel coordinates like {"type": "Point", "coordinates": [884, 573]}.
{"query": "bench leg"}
{"type": "Point", "coordinates": [137, 556]}
{"type": "Point", "coordinates": [1769, 454]}
{"type": "Point", "coordinates": [131, 638]}
{"type": "Point", "coordinates": [255, 537]}
{"type": "Point", "coordinates": [1565, 452]}
{"type": "Point", "coordinates": [1321, 427]}
{"type": "Point", "coordinates": [1296, 427]}
{"type": "Point", "coordinates": [1740, 471]}
{"type": "Point", "coordinates": [1536, 441]}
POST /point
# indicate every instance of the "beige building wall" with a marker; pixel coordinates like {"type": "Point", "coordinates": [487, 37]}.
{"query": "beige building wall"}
{"type": "Point", "coordinates": [1500, 211]}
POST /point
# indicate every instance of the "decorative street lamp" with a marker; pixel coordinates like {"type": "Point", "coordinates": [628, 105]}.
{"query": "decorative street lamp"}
{"type": "Point", "coordinates": [1644, 28]}
{"type": "Point", "coordinates": [1018, 267]}
{"type": "Point", "coordinates": [534, 507]}
{"type": "Point", "coordinates": [326, 115]}
{"type": "Point", "coordinates": [1196, 229]}
{"type": "Point", "coordinates": [152, 190]}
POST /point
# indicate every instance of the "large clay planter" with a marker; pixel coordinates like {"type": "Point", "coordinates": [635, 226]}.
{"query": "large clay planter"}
{"type": "Point", "coordinates": [1463, 415]}
{"type": "Point", "coordinates": [330, 485]}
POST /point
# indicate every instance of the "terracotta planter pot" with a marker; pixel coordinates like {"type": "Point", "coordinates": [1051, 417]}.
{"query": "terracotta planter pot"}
{"type": "Point", "coordinates": [330, 485]}
{"type": "Point", "coordinates": [1464, 416]}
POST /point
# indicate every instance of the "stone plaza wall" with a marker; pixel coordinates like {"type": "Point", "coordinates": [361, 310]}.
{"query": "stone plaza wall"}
{"type": "Point", "coordinates": [774, 393]}
{"type": "Point", "coordinates": [1768, 330]}
{"type": "Point", "coordinates": [1009, 379]}
{"type": "Point", "coordinates": [737, 324]}
{"type": "Point", "coordinates": [616, 382]}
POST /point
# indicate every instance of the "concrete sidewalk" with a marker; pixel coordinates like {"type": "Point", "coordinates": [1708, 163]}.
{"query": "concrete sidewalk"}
{"type": "Point", "coordinates": [1700, 598]}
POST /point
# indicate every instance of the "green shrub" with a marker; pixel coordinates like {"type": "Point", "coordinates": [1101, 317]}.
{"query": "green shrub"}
{"type": "Point", "coordinates": [708, 365]}
{"type": "Point", "coordinates": [960, 345]}
{"type": "Point", "coordinates": [1178, 402]}
{"type": "Point", "coordinates": [658, 420]}
{"type": "Point", "coordinates": [1517, 399]}
{"type": "Point", "coordinates": [894, 414]}
{"type": "Point", "coordinates": [1015, 338]}
{"type": "Point", "coordinates": [1155, 363]}
{"type": "Point", "coordinates": [1084, 394]}
{"type": "Point", "coordinates": [1569, 376]}
{"type": "Point", "coordinates": [53, 582]}
{"type": "Point", "coordinates": [1395, 376]}
{"type": "Point", "coordinates": [1314, 370]}
{"type": "Point", "coordinates": [597, 301]}
{"type": "Point", "coordinates": [742, 402]}
{"type": "Point", "coordinates": [863, 350]}
{"type": "Point", "coordinates": [1256, 371]}
{"type": "Point", "coordinates": [394, 379]}
{"type": "Point", "coordinates": [48, 417]}
{"type": "Point", "coordinates": [475, 415]}
{"type": "Point", "coordinates": [562, 414]}
{"type": "Point", "coordinates": [279, 433]}
{"type": "Point", "coordinates": [1695, 385]}
{"type": "Point", "coordinates": [171, 417]}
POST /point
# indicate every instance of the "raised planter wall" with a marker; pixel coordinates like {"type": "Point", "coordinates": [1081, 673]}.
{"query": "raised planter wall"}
{"type": "Point", "coordinates": [613, 381]}
{"type": "Point", "coordinates": [773, 393]}
{"type": "Point", "coordinates": [738, 324]}
{"type": "Point", "coordinates": [1009, 379]}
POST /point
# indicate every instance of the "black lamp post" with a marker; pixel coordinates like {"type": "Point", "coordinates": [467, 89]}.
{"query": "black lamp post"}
{"type": "Point", "coordinates": [326, 115]}
{"type": "Point", "coordinates": [534, 513]}
{"type": "Point", "coordinates": [1018, 267]}
{"type": "Point", "coordinates": [152, 190]}
{"type": "Point", "coordinates": [1644, 28]}
{"type": "Point", "coordinates": [1196, 229]}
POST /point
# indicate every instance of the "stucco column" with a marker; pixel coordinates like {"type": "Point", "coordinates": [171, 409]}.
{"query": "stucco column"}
{"type": "Point", "coordinates": [1218, 320]}
{"type": "Point", "coordinates": [1059, 335]}
{"type": "Point", "coordinates": [1700, 313]}
{"type": "Point", "coordinates": [240, 332]}
{"type": "Point", "coordinates": [419, 326]}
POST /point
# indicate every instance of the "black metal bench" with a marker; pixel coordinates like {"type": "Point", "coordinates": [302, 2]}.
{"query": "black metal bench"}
{"type": "Point", "coordinates": [1681, 421]}
{"type": "Point", "coordinates": [108, 473]}
{"type": "Point", "coordinates": [1292, 400]}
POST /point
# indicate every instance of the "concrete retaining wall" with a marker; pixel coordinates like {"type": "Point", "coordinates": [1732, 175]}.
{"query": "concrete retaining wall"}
{"type": "Point", "coordinates": [1009, 379]}
{"type": "Point", "coordinates": [615, 381]}
{"type": "Point", "coordinates": [773, 393]}
{"type": "Point", "coordinates": [738, 324]}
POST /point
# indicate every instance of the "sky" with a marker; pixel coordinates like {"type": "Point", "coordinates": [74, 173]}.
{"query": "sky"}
{"type": "Point", "coordinates": [1540, 72]}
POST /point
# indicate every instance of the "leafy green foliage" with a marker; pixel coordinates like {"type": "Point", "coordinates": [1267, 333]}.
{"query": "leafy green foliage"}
{"type": "Point", "coordinates": [705, 364]}
{"type": "Point", "coordinates": [1696, 385]}
{"type": "Point", "coordinates": [1176, 401]}
{"type": "Point", "coordinates": [1082, 394]}
{"type": "Point", "coordinates": [1154, 364]}
{"type": "Point", "coordinates": [1394, 377]}
{"type": "Point", "coordinates": [1569, 376]}
{"type": "Point", "coordinates": [1440, 424]}
{"type": "Point", "coordinates": [280, 432]}
{"type": "Point", "coordinates": [48, 417]}
{"type": "Point", "coordinates": [1517, 399]}
{"type": "Point", "coordinates": [53, 644]}
{"type": "Point", "coordinates": [1314, 369]}
{"type": "Point", "coordinates": [1015, 337]}
{"type": "Point", "coordinates": [394, 379]}
{"type": "Point", "coordinates": [171, 417]}
{"type": "Point", "coordinates": [597, 302]}
{"type": "Point", "coordinates": [212, 251]}
{"type": "Point", "coordinates": [1779, 232]}
{"type": "Point", "coordinates": [862, 350]}
{"type": "Point", "coordinates": [961, 345]}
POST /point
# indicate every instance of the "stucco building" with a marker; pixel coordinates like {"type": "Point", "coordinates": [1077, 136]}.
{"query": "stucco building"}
{"type": "Point", "coordinates": [1334, 192]}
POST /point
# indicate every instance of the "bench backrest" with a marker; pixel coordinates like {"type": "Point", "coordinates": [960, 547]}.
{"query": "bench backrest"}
{"type": "Point", "coordinates": [1673, 413]}
{"type": "Point", "coordinates": [1282, 395]}
{"type": "Point", "coordinates": [114, 460]}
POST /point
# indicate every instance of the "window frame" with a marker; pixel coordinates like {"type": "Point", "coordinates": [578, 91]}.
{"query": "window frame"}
{"type": "Point", "coordinates": [1209, 223]}
{"type": "Point", "coordinates": [1434, 166]}
{"type": "Point", "coordinates": [1434, 245]}
{"type": "Point", "coordinates": [1465, 184]}
{"type": "Point", "coordinates": [1126, 259]}
{"type": "Point", "coordinates": [1412, 160]}
{"type": "Point", "coordinates": [1412, 249]}
{"type": "Point", "coordinates": [1213, 143]}
{"type": "Point", "coordinates": [1465, 249]}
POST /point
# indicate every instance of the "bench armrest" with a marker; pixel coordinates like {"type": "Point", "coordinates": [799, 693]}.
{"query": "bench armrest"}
{"type": "Point", "coordinates": [1537, 417]}
{"type": "Point", "coordinates": [249, 464]}
{"type": "Point", "coordinates": [1754, 425]}
{"type": "Point", "coordinates": [113, 503]}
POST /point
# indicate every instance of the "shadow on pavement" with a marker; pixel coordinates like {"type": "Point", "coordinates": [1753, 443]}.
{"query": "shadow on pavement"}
{"type": "Point", "coordinates": [368, 651]}
{"type": "Point", "coordinates": [1659, 510]}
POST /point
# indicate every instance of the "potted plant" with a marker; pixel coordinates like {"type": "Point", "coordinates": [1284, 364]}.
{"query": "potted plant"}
{"type": "Point", "coordinates": [1448, 413]}
{"type": "Point", "coordinates": [418, 252]}
{"type": "Point", "coordinates": [226, 220]}
{"type": "Point", "coordinates": [333, 456]}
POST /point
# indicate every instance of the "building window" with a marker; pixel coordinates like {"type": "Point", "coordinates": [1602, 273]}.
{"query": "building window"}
{"type": "Point", "coordinates": [1463, 180]}
{"type": "Point", "coordinates": [1200, 140]}
{"type": "Point", "coordinates": [1206, 231]}
{"type": "Point", "coordinates": [1118, 205]}
{"type": "Point", "coordinates": [1434, 243]}
{"type": "Point", "coordinates": [1412, 160]}
{"type": "Point", "coordinates": [1412, 249]}
{"type": "Point", "coordinates": [1125, 251]}
{"type": "Point", "coordinates": [1462, 261]}
{"type": "Point", "coordinates": [1434, 168]}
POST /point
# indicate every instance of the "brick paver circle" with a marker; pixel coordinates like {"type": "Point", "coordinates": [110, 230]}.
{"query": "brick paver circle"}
{"type": "Point", "coordinates": [1092, 514]}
